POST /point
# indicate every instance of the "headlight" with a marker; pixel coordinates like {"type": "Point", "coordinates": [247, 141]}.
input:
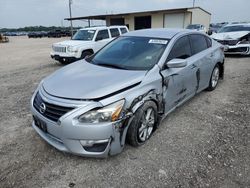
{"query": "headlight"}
{"type": "Point", "coordinates": [108, 113]}
{"type": "Point", "coordinates": [245, 41]}
{"type": "Point", "coordinates": [71, 49]}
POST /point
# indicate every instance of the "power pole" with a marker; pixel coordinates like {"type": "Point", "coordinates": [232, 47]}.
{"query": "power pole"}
{"type": "Point", "coordinates": [193, 3]}
{"type": "Point", "coordinates": [70, 15]}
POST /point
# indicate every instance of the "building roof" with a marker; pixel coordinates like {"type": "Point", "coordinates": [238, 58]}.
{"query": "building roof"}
{"type": "Point", "coordinates": [156, 33]}
{"type": "Point", "coordinates": [103, 17]}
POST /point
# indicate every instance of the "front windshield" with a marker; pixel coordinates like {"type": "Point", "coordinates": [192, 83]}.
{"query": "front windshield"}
{"type": "Point", "coordinates": [84, 35]}
{"type": "Point", "coordinates": [193, 26]}
{"type": "Point", "coordinates": [234, 28]}
{"type": "Point", "coordinates": [130, 53]}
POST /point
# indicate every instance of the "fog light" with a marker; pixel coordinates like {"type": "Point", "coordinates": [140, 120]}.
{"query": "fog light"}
{"type": "Point", "coordinates": [90, 143]}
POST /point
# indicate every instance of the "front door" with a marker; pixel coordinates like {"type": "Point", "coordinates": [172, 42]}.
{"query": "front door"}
{"type": "Point", "coordinates": [102, 38]}
{"type": "Point", "coordinates": [179, 83]}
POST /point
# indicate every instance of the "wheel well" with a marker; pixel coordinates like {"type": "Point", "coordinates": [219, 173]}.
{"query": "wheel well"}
{"type": "Point", "coordinates": [88, 50]}
{"type": "Point", "coordinates": [156, 103]}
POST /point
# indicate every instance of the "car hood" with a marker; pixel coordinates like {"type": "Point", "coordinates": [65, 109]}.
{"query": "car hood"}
{"type": "Point", "coordinates": [82, 80]}
{"type": "Point", "coordinates": [73, 43]}
{"type": "Point", "coordinates": [229, 35]}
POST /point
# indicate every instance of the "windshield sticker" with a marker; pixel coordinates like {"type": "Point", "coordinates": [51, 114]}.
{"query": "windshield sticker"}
{"type": "Point", "coordinates": [157, 41]}
{"type": "Point", "coordinates": [91, 31]}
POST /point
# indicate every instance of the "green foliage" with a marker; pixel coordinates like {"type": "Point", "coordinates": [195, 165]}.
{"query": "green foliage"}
{"type": "Point", "coordinates": [35, 28]}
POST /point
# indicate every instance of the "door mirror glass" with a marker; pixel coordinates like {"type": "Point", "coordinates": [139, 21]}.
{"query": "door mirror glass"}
{"type": "Point", "coordinates": [176, 63]}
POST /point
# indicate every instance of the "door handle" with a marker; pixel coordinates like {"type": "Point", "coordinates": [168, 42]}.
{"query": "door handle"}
{"type": "Point", "coordinates": [212, 55]}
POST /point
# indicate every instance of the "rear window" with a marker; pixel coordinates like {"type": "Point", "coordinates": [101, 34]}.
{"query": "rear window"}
{"type": "Point", "coordinates": [114, 32]}
{"type": "Point", "coordinates": [198, 43]}
{"type": "Point", "coordinates": [123, 30]}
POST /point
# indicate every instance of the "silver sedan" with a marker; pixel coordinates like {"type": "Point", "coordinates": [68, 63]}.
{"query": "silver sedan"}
{"type": "Point", "coordinates": [121, 93]}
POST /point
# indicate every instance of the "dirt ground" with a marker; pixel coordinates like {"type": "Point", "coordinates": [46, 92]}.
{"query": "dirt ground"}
{"type": "Point", "coordinates": [204, 143]}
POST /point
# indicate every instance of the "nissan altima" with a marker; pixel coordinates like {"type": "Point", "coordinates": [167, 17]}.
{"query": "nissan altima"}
{"type": "Point", "coordinates": [120, 94]}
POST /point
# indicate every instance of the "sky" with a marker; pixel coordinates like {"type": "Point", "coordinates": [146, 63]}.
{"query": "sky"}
{"type": "Point", "coordinates": [20, 13]}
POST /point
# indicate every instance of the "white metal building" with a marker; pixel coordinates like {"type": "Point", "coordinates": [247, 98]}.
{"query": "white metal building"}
{"type": "Point", "coordinates": [168, 18]}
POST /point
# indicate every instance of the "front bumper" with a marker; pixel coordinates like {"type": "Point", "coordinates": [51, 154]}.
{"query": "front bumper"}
{"type": "Point", "coordinates": [241, 49]}
{"type": "Point", "coordinates": [99, 140]}
{"type": "Point", "coordinates": [64, 59]}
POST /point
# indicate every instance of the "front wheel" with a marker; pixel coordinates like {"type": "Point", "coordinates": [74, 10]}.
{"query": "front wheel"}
{"type": "Point", "coordinates": [143, 124]}
{"type": "Point", "coordinates": [214, 78]}
{"type": "Point", "coordinates": [85, 54]}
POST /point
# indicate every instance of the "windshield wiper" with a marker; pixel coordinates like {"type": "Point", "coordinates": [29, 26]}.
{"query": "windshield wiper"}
{"type": "Point", "coordinates": [110, 65]}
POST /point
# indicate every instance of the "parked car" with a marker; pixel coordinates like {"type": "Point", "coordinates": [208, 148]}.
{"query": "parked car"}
{"type": "Point", "coordinates": [235, 37]}
{"type": "Point", "coordinates": [85, 42]}
{"type": "Point", "coordinates": [92, 106]}
{"type": "Point", "coordinates": [39, 34]}
{"type": "Point", "coordinates": [214, 28]}
{"type": "Point", "coordinates": [55, 34]}
{"type": "Point", "coordinates": [197, 27]}
{"type": "Point", "coordinates": [65, 33]}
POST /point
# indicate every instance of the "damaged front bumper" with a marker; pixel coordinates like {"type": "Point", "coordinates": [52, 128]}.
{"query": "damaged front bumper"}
{"type": "Point", "coordinates": [89, 140]}
{"type": "Point", "coordinates": [241, 49]}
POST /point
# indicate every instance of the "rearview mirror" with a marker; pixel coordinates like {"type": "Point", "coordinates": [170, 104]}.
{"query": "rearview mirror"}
{"type": "Point", "coordinates": [176, 63]}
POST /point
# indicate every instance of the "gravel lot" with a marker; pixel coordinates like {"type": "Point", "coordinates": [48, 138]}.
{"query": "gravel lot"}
{"type": "Point", "coordinates": [204, 143]}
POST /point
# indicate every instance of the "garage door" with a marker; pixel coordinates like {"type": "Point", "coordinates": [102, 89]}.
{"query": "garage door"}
{"type": "Point", "coordinates": [174, 20]}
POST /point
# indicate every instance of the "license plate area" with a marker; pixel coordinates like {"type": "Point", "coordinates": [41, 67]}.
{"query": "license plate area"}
{"type": "Point", "coordinates": [40, 124]}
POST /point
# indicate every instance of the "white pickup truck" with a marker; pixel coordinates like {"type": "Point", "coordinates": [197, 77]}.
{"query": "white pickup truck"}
{"type": "Point", "coordinates": [85, 42]}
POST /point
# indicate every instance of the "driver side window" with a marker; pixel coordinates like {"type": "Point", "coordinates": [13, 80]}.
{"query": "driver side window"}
{"type": "Point", "coordinates": [181, 49]}
{"type": "Point", "coordinates": [102, 34]}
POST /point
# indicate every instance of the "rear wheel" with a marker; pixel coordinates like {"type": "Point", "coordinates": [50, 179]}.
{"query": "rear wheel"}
{"type": "Point", "coordinates": [214, 78]}
{"type": "Point", "coordinates": [143, 124]}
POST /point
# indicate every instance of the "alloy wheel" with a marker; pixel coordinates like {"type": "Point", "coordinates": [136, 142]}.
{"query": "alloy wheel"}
{"type": "Point", "coordinates": [147, 125]}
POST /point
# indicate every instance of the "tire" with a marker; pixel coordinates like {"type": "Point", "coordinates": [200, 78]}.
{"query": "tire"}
{"type": "Point", "coordinates": [85, 54]}
{"type": "Point", "coordinates": [139, 133]}
{"type": "Point", "coordinates": [63, 62]}
{"type": "Point", "coordinates": [214, 79]}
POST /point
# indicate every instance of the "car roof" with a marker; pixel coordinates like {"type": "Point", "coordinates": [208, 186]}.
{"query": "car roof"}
{"type": "Point", "coordinates": [157, 33]}
{"type": "Point", "coordinates": [238, 24]}
{"type": "Point", "coordinates": [102, 27]}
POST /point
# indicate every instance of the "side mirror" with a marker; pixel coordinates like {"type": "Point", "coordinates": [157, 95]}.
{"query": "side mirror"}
{"type": "Point", "coordinates": [176, 63]}
{"type": "Point", "coordinates": [98, 38]}
{"type": "Point", "coordinates": [209, 32]}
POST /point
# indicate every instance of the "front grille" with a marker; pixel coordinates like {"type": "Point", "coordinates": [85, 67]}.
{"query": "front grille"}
{"type": "Point", "coordinates": [59, 49]}
{"type": "Point", "coordinates": [240, 50]}
{"type": "Point", "coordinates": [228, 42]}
{"type": "Point", "coordinates": [50, 111]}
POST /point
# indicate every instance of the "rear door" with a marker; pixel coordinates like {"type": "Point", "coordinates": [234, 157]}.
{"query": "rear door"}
{"type": "Point", "coordinates": [114, 32]}
{"type": "Point", "coordinates": [203, 59]}
{"type": "Point", "coordinates": [179, 83]}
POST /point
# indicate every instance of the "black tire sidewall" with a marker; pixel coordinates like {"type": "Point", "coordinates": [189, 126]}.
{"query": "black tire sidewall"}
{"type": "Point", "coordinates": [132, 135]}
{"type": "Point", "coordinates": [85, 53]}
